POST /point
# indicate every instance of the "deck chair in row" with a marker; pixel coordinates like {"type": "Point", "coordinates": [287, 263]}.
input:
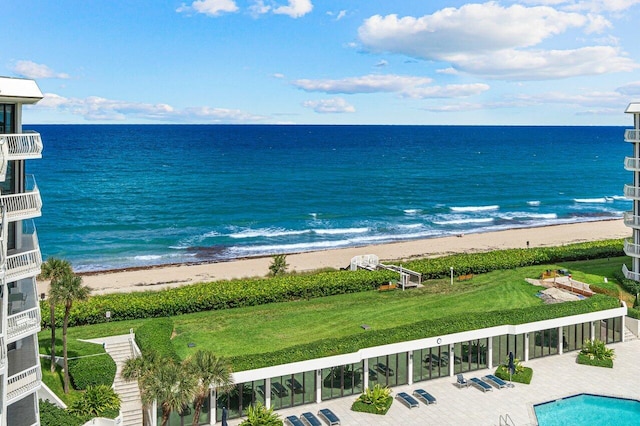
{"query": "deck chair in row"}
{"type": "Point", "coordinates": [408, 399]}
{"type": "Point", "coordinates": [293, 421]}
{"type": "Point", "coordinates": [329, 417]}
{"type": "Point", "coordinates": [495, 381]}
{"type": "Point", "coordinates": [461, 381]}
{"type": "Point", "coordinates": [425, 396]}
{"type": "Point", "coordinates": [480, 384]}
{"type": "Point", "coordinates": [310, 419]}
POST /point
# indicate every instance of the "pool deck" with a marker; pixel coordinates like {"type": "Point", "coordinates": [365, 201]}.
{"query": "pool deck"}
{"type": "Point", "coordinates": [553, 377]}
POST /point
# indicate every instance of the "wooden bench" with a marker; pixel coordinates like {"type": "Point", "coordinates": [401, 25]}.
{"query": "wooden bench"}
{"type": "Point", "coordinates": [387, 287]}
{"type": "Point", "coordinates": [465, 277]}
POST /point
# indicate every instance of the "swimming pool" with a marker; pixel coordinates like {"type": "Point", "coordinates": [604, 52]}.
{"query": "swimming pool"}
{"type": "Point", "coordinates": [587, 409]}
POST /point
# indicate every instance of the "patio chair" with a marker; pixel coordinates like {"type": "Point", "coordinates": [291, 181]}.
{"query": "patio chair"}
{"type": "Point", "coordinates": [293, 421]}
{"type": "Point", "coordinates": [425, 396]}
{"type": "Point", "coordinates": [407, 399]}
{"type": "Point", "coordinates": [329, 417]}
{"type": "Point", "coordinates": [496, 381]}
{"type": "Point", "coordinates": [480, 384]}
{"type": "Point", "coordinates": [310, 419]}
{"type": "Point", "coordinates": [461, 382]}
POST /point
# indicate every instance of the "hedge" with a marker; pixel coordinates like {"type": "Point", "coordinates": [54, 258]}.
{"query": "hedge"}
{"type": "Point", "coordinates": [361, 407]}
{"type": "Point", "coordinates": [633, 313]}
{"type": "Point", "coordinates": [523, 377]}
{"type": "Point", "coordinates": [52, 415]}
{"type": "Point", "coordinates": [155, 336]}
{"type": "Point", "coordinates": [631, 286]}
{"type": "Point", "coordinates": [250, 292]}
{"type": "Point", "coordinates": [420, 330]}
{"type": "Point", "coordinates": [92, 371]}
{"type": "Point", "coordinates": [586, 360]}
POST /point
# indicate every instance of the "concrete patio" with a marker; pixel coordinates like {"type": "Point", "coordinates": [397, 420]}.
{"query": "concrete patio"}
{"type": "Point", "coordinates": [553, 377]}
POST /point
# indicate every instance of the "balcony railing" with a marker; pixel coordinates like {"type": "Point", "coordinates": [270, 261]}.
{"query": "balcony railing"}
{"type": "Point", "coordinates": [631, 220]}
{"type": "Point", "coordinates": [632, 164]}
{"type": "Point", "coordinates": [630, 275]}
{"type": "Point", "coordinates": [18, 146]}
{"type": "Point", "coordinates": [3, 353]}
{"type": "Point", "coordinates": [24, 323]}
{"type": "Point", "coordinates": [631, 191]}
{"type": "Point", "coordinates": [25, 263]}
{"type": "Point", "coordinates": [632, 135]}
{"type": "Point", "coordinates": [23, 383]}
{"type": "Point", "coordinates": [631, 249]}
{"type": "Point", "coordinates": [25, 205]}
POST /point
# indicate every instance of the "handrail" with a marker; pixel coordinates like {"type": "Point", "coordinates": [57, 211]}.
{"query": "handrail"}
{"type": "Point", "coordinates": [631, 163]}
{"type": "Point", "coordinates": [23, 382]}
{"type": "Point", "coordinates": [631, 249]}
{"type": "Point", "coordinates": [23, 264]}
{"type": "Point", "coordinates": [630, 219]}
{"type": "Point", "coordinates": [632, 135]}
{"type": "Point", "coordinates": [631, 191]}
{"type": "Point", "coordinates": [23, 205]}
{"type": "Point", "coordinates": [506, 419]}
{"type": "Point", "coordinates": [3, 352]}
{"type": "Point", "coordinates": [630, 275]}
{"type": "Point", "coordinates": [23, 322]}
{"type": "Point", "coordinates": [21, 146]}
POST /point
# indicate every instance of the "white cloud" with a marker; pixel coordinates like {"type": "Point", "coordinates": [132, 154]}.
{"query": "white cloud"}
{"type": "Point", "coordinates": [294, 8]}
{"type": "Point", "coordinates": [209, 7]}
{"type": "Point", "coordinates": [278, 75]}
{"type": "Point", "coordinates": [449, 71]}
{"type": "Point", "coordinates": [330, 106]}
{"type": "Point", "coordinates": [259, 8]}
{"type": "Point", "coordinates": [630, 89]}
{"type": "Point", "coordinates": [96, 108]}
{"type": "Point", "coordinates": [32, 70]}
{"type": "Point", "coordinates": [405, 86]}
{"type": "Point", "coordinates": [597, 6]}
{"type": "Point", "coordinates": [495, 41]}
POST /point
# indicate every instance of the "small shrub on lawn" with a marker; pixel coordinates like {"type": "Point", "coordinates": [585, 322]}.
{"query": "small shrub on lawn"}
{"type": "Point", "coordinates": [92, 371]}
{"type": "Point", "coordinates": [376, 400]}
{"type": "Point", "coordinates": [52, 415]}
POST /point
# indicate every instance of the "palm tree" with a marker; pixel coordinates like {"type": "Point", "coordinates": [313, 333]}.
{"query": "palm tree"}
{"type": "Point", "coordinates": [209, 370]}
{"type": "Point", "coordinates": [136, 368]}
{"type": "Point", "coordinates": [66, 290]}
{"type": "Point", "coordinates": [54, 269]}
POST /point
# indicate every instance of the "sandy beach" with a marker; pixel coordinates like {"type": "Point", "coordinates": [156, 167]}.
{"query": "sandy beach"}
{"type": "Point", "coordinates": [162, 277]}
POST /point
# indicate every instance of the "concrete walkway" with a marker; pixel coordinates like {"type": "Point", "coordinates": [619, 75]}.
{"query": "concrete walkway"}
{"type": "Point", "coordinates": [553, 377]}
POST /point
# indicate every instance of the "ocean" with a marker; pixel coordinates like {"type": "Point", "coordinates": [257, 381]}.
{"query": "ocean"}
{"type": "Point", "coordinates": [119, 196]}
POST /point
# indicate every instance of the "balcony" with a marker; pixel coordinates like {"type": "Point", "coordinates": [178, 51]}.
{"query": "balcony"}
{"type": "Point", "coordinates": [25, 205]}
{"type": "Point", "coordinates": [26, 262]}
{"type": "Point", "coordinates": [632, 164]}
{"type": "Point", "coordinates": [24, 412]}
{"type": "Point", "coordinates": [630, 275]}
{"type": "Point", "coordinates": [632, 135]}
{"type": "Point", "coordinates": [23, 383]}
{"type": "Point", "coordinates": [18, 146]}
{"type": "Point", "coordinates": [23, 324]}
{"type": "Point", "coordinates": [631, 220]}
{"type": "Point", "coordinates": [632, 192]}
{"type": "Point", "coordinates": [631, 249]}
{"type": "Point", "coordinates": [3, 354]}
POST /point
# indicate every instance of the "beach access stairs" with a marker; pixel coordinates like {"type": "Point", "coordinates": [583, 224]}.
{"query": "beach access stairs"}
{"type": "Point", "coordinates": [370, 262]}
{"type": "Point", "coordinates": [121, 348]}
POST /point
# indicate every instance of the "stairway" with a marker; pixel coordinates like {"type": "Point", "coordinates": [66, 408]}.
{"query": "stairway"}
{"type": "Point", "coordinates": [131, 406]}
{"type": "Point", "coordinates": [628, 335]}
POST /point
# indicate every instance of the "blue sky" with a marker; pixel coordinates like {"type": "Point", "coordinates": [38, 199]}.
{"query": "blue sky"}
{"type": "Point", "coordinates": [550, 62]}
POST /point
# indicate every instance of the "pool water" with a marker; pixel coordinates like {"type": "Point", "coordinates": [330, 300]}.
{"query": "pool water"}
{"type": "Point", "coordinates": [592, 410]}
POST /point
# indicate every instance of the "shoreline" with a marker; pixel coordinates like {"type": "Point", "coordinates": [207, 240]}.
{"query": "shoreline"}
{"type": "Point", "coordinates": [158, 277]}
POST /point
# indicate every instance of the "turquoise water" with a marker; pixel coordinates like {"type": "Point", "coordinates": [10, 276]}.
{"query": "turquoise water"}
{"type": "Point", "coordinates": [592, 410]}
{"type": "Point", "coordinates": [119, 196]}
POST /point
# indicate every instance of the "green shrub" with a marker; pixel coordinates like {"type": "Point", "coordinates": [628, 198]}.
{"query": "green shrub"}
{"type": "Point", "coordinates": [587, 360]}
{"type": "Point", "coordinates": [92, 371]}
{"type": "Point", "coordinates": [605, 290]}
{"type": "Point", "coordinates": [633, 313]}
{"type": "Point", "coordinates": [631, 286]}
{"type": "Point", "coordinates": [524, 376]}
{"type": "Point", "coordinates": [261, 416]}
{"type": "Point", "coordinates": [155, 336]}
{"type": "Point", "coordinates": [97, 401]}
{"type": "Point", "coordinates": [595, 352]}
{"type": "Point", "coordinates": [376, 400]}
{"type": "Point", "coordinates": [52, 415]}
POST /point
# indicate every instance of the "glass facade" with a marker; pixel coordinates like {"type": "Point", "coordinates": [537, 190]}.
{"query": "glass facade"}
{"type": "Point", "coordinates": [504, 344]}
{"type": "Point", "coordinates": [543, 343]}
{"type": "Point", "coordinates": [430, 363]}
{"type": "Point", "coordinates": [573, 336]}
{"type": "Point", "coordinates": [609, 330]}
{"type": "Point", "coordinates": [238, 400]}
{"type": "Point", "coordinates": [343, 380]}
{"type": "Point", "coordinates": [186, 417]}
{"type": "Point", "coordinates": [389, 370]}
{"type": "Point", "coordinates": [7, 121]}
{"type": "Point", "coordinates": [293, 389]}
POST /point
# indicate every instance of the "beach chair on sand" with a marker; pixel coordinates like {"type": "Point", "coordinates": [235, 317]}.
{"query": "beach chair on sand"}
{"type": "Point", "coordinates": [407, 399]}
{"type": "Point", "coordinates": [329, 417]}
{"type": "Point", "coordinates": [310, 419]}
{"type": "Point", "coordinates": [425, 396]}
{"type": "Point", "coordinates": [293, 421]}
{"type": "Point", "coordinates": [495, 381]}
{"type": "Point", "coordinates": [462, 382]}
{"type": "Point", "coordinates": [480, 384]}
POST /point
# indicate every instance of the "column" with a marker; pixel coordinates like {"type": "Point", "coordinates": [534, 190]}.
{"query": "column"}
{"type": "Point", "coordinates": [267, 392]}
{"type": "Point", "coordinates": [213, 406]}
{"type": "Point", "coordinates": [526, 346]}
{"type": "Point", "coordinates": [410, 368]}
{"type": "Point", "coordinates": [318, 386]}
{"type": "Point", "coordinates": [365, 367]}
{"type": "Point", "coordinates": [592, 331]}
{"type": "Point", "coordinates": [452, 360]}
{"type": "Point", "coordinates": [490, 352]}
{"type": "Point", "coordinates": [560, 341]}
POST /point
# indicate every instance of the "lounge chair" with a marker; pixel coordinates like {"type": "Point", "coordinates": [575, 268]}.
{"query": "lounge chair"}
{"type": "Point", "coordinates": [496, 381]}
{"type": "Point", "coordinates": [480, 384]}
{"type": "Point", "coordinates": [408, 399]}
{"type": "Point", "coordinates": [293, 421]}
{"type": "Point", "coordinates": [425, 396]}
{"type": "Point", "coordinates": [310, 419]}
{"type": "Point", "coordinates": [329, 417]}
{"type": "Point", "coordinates": [462, 382]}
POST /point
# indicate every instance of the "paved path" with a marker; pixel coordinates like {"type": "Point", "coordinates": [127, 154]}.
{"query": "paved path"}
{"type": "Point", "coordinates": [553, 377]}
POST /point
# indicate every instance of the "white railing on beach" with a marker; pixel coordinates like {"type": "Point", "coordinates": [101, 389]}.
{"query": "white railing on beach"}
{"type": "Point", "coordinates": [23, 323]}
{"type": "Point", "coordinates": [631, 164]}
{"type": "Point", "coordinates": [18, 146]}
{"type": "Point", "coordinates": [630, 275]}
{"type": "Point", "coordinates": [631, 191]}
{"type": "Point", "coordinates": [631, 249]}
{"type": "Point", "coordinates": [25, 205]}
{"type": "Point", "coordinates": [23, 383]}
{"type": "Point", "coordinates": [632, 135]}
{"type": "Point", "coordinates": [631, 220]}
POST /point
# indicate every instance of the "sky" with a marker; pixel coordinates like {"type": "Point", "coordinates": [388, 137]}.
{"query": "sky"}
{"type": "Point", "coordinates": [425, 62]}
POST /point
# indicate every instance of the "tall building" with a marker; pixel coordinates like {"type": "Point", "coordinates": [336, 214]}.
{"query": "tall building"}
{"type": "Point", "coordinates": [632, 191]}
{"type": "Point", "coordinates": [20, 258]}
